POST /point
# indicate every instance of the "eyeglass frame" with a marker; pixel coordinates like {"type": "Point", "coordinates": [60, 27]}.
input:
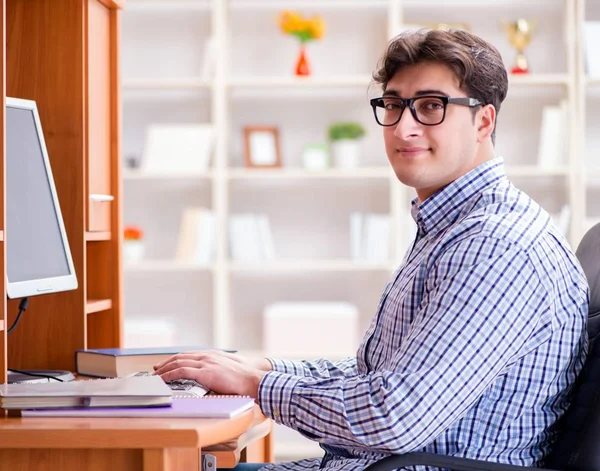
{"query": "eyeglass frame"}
{"type": "Point", "coordinates": [409, 103]}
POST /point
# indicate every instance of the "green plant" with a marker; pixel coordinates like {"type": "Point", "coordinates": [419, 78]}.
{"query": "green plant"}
{"type": "Point", "coordinates": [339, 131]}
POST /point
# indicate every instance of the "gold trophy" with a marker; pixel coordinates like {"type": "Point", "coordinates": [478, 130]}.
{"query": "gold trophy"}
{"type": "Point", "coordinates": [519, 35]}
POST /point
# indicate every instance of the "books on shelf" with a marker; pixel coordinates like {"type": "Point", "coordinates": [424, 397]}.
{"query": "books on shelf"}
{"type": "Point", "coordinates": [370, 237]}
{"type": "Point", "coordinates": [111, 362]}
{"type": "Point", "coordinates": [115, 392]}
{"type": "Point", "coordinates": [552, 150]}
{"type": "Point", "coordinates": [177, 148]}
{"type": "Point", "coordinates": [196, 242]}
{"type": "Point", "coordinates": [288, 330]}
{"type": "Point", "coordinates": [250, 238]}
{"type": "Point", "coordinates": [207, 407]}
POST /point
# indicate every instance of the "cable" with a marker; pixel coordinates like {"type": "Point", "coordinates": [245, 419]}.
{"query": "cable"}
{"type": "Point", "coordinates": [27, 373]}
{"type": "Point", "coordinates": [22, 308]}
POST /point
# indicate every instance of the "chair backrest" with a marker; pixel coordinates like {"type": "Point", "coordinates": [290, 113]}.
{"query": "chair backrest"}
{"type": "Point", "coordinates": [578, 444]}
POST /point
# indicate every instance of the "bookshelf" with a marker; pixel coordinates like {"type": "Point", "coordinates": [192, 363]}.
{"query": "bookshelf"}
{"type": "Point", "coordinates": [253, 83]}
{"type": "Point", "coordinates": [65, 57]}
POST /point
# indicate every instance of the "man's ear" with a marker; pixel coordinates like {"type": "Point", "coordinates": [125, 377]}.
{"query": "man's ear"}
{"type": "Point", "coordinates": [486, 120]}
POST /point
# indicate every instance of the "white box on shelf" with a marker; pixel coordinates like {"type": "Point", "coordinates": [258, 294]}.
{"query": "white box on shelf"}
{"type": "Point", "coordinates": [178, 148]}
{"type": "Point", "coordinates": [196, 239]}
{"type": "Point", "coordinates": [304, 330]}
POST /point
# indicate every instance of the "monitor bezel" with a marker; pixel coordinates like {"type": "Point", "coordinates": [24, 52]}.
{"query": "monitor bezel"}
{"type": "Point", "coordinates": [21, 289]}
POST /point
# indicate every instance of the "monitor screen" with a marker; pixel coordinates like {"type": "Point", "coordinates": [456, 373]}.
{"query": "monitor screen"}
{"type": "Point", "coordinates": [38, 258]}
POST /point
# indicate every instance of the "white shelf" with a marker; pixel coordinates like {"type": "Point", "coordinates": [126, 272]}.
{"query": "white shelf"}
{"type": "Point", "coordinates": [168, 5]}
{"type": "Point", "coordinates": [484, 4]}
{"type": "Point", "coordinates": [140, 175]}
{"type": "Point", "coordinates": [535, 171]}
{"type": "Point", "coordinates": [166, 83]}
{"type": "Point", "coordinates": [281, 5]}
{"type": "Point", "coordinates": [300, 82]}
{"type": "Point", "coordinates": [165, 266]}
{"type": "Point", "coordinates": [309, 266]}
{"type": "Point", "coordinates": [301, 174]}
{"type": "Point", "coordinates": [538, 79]}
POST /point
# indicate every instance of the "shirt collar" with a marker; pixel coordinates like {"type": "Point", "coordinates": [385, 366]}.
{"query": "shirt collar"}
{"type": "Point", "coordinates": [442, 208]}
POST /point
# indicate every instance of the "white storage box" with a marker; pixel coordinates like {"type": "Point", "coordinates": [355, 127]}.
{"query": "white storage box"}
{"type": "Point", "coordinates": [295, 330]}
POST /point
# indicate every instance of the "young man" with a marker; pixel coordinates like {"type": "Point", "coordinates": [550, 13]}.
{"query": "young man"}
{"type": "Point", "coordinates": [481, 333]}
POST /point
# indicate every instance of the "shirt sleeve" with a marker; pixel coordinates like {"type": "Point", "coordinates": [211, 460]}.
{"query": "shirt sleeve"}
{"type": "Point", "coordinates": [316, 369]}
{"type": "Point", "coordinates": [473, 318]}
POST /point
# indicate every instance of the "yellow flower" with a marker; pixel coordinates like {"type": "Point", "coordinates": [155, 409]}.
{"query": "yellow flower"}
{"type": "Point", "coordinates": [305, 29]}
{"type": "Point", "coordinates": [316, 27]}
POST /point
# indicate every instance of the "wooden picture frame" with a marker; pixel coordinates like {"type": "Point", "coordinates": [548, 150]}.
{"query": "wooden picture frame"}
{"type": "Point", "coordinates": [261, 147]}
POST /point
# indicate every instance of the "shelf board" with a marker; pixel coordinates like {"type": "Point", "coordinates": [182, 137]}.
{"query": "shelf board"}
{"type": "Point", "coordinates": [309, 266]}
{"type": "Point", "coordinates": [140, 175]}
{"type": "Point", "coordinates": [165, 266]}
{"type": "Point", "coordinates": [1, 236]}
{"type": "Point", "coordinates": [97, 305]}
{"type": "Point", "coordinates": [487, 4]}
{"type": "Point", "coordinates": [535, 171]}
{"type": "Point", "coordinates": [97, 235]}
{"type": "Point", "coordinates": [301, 174]}
{"type": "Point", "coordinates": [300, 82]}
{"type": "Point", "coordinates": [1, 325]}
{"type": "Point", "coordinates": [311, 4]}
{"type": "Point", "coordinates": [538, 79]}
{"type": "Point", "coordinates": [166, 83]}
{"type": "Point", "coordinates": [168, 5]}
{"type": "Point", "coordinates": [592, 81]}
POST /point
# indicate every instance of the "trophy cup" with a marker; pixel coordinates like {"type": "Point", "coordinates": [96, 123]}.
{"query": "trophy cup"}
{"type": "Point", "coordinates": [519, 35]}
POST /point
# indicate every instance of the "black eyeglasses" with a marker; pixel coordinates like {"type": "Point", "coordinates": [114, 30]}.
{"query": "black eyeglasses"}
{"type": "Point", "coordinates": [428, 110]}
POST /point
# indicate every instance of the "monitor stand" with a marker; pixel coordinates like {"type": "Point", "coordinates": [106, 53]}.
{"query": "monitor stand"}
{"type": "Point", "coordinates": [14, 377]}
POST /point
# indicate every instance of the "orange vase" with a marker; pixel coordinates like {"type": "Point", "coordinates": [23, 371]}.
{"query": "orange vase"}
{"type": "Point", "coordinates": [302, 67]}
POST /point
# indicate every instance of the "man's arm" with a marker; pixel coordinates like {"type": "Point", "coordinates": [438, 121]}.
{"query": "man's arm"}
{"type": "Point", "coordinates": [316, 369]}
{"type": "Point", "coordinates": [472, 321]}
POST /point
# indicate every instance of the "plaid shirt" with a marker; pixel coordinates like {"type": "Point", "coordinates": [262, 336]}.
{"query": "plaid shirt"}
{"type": "Point", "coordinates": [474, 348]}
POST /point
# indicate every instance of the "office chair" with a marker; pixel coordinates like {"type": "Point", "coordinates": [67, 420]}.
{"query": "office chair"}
{"type": "Point", "coordinates": [577, 447]}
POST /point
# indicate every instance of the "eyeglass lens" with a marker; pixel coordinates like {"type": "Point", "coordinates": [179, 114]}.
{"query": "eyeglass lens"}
{"type": "Point", "coordinates": [429, 110]}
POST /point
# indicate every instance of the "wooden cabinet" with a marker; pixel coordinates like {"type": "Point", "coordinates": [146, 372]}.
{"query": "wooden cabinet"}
{"type": "Point", "coordinates": [64, 55]}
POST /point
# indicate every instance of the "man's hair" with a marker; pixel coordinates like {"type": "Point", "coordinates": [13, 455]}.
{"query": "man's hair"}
{"type": "Point", "coordinates": [476, 63]}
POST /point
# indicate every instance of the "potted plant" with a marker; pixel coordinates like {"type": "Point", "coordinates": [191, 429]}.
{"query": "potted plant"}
{"type": "Point", "coordinates": [345, 138]}
{"type": "Point", "coordinates": [133, 245]}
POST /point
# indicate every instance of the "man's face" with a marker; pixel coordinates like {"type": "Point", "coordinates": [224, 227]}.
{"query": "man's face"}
{"type": "Point", "coordinates": [428, 158]}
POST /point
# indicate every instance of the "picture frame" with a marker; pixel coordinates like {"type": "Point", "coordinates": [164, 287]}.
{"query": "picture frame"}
{"type": "Point", "coordinates": [261, 147]}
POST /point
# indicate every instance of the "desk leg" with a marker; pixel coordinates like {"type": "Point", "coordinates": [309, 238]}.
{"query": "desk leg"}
{"type": "Point", "coordinates": [259, 451]}
{"type": "Point", "coordinates": [172, 459]}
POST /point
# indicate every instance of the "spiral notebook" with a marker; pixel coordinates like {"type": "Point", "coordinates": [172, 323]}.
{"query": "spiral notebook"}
{"type": "Point", "coordinates": [206, 407]}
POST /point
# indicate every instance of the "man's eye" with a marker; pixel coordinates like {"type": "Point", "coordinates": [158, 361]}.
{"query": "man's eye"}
{"type": "Point", "coordinates": [391, 106]}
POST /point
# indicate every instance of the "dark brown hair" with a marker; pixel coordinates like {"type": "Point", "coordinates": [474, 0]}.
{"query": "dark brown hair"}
{"type": "Point", "coordinates": [476, 63]}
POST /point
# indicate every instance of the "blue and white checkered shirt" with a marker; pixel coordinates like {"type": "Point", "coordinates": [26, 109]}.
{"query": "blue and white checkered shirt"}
{"type": "Point", "coordinates": [476, 343]}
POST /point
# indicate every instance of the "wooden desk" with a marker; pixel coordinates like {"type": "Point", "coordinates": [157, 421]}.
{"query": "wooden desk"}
{"type": "Point", "coordinates": [92, 444]}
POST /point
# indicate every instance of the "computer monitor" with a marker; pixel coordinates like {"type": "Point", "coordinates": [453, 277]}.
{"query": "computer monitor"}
{"type": "Point", "coordinates": [38, 257]}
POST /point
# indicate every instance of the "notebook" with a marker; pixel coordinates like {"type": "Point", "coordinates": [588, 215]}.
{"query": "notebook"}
{"type": "Point", "coordinates": [116, 392]}
{"type": "Point", "coordinates": [207, 407]}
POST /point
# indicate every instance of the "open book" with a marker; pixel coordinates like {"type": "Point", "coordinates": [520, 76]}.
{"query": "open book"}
{"type": "Point", "coordinates": [116, 392]}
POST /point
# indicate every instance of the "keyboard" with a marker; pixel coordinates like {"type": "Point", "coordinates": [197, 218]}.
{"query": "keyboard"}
{"type": "Point", "coordinates": [180, 387]}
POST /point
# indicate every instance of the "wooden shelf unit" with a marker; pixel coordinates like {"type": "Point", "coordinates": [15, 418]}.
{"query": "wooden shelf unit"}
{"type": "Point", "coordinates": [64, 56]}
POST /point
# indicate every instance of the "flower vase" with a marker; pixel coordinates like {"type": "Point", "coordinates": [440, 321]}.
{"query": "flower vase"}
{"type": "Point", "coordinates": [302, 67]}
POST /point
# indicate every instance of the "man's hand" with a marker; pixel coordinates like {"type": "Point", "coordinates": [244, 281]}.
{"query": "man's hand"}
{"type": "Point", "coordinates": [221, 372]}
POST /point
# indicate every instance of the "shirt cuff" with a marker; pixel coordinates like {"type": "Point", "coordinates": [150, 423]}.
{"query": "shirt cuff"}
{"type": "Point", "coordinates": [296, 368]}
{"type": "Point", "coordinates": [275, 393]}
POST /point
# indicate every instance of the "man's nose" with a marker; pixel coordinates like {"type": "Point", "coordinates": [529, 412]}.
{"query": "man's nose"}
{"type": "Point", "coordinates": [408, 125]}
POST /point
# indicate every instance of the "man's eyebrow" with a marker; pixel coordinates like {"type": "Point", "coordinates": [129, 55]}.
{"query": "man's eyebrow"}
{"type": "Point", "coordinates": [431, 92]}
{"type": "Point", "coordinates": [394, 93]}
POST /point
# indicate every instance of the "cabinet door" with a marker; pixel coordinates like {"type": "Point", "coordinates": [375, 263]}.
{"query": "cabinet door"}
{"type": "Point", "coordinates": [99, 72]}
